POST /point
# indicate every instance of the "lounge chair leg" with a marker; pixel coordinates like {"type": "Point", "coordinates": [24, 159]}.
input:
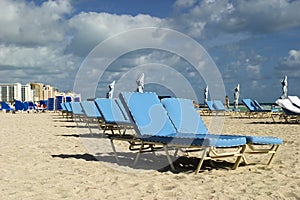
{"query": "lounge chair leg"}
{"type": "Point", "coordinates": [237, 162]}
{"type": "Point", "coordinates": [88, 124]}
{"type": "Point", "coordinates": [202, 159]}
{"type": "Point", "coordinates": [273, 154]}
{"type": "Point", "coordinates": [138, 154]}
{"type": "Point", "coordinates": [169, 158]}
{"type": "Point", "coordinates": [176, 152]}
{"type": "Point", "coordinates": [114, 149]}
{"type": "Point", "coordinates": [245, 160]}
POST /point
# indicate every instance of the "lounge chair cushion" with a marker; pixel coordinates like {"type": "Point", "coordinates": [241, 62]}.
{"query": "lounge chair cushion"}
{"type": "Point", "coordinates": [110, 111]}
{"type": "Point", "coordinates": [263, 140]}
{"type": "Point", "coordinates": [183, 115]}
{"type": "Point", "coordinates": [149, 114]}
{"type": "Point", "coordinates": [90, 109]}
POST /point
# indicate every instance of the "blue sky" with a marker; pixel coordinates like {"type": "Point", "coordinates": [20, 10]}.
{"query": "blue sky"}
{"type": "Point", "coordinates": [253, 43]}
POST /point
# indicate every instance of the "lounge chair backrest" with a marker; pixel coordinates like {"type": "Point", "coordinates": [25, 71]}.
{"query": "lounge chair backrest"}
{"type": "Point", "coordinates": [68, 106]}
{"type": "Point", "coordinates": [184, 116]}
{"type": "Point", "coordinates": [219, 105]}
{"type": "Point", "coordinates": [90, 109]}
{"type": "Point", "coordinates": [63, 106]}
{"type": "Point", "coordinates": [121, 106]}
{"type": "Point", "coordinates": [257, 105]}
{"type": "Point", "coordinates": [249, 104]}
{"type": "Point", "coordinates": [147, 114]}
{"type": "Point", "coordinates": [210, 105]}
{"type": "Point", "coordinates": [295, 100]}
{"type": "Point", "coordinates": [58, 101]}
{"type": "Point", "coordinates": [5, 106]}
{"type": "Point", "coordinates": [110, 111]}
{"type": "Point", "coordinates": [76, 108]}
{"type": "Point", "coordinates": [50, 104]}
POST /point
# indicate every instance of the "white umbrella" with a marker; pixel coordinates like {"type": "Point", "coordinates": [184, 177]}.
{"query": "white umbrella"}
{"type": "Point", "coordinates": [140, 83]}
{"type": "Point", "coordinates": [111, 87]}
{"type": "Point", "coordinates": [236, 96]}
{"type": "Point", "coordinates": [284, 87]}
{"type": "Point", "coordinates": [205, 94]}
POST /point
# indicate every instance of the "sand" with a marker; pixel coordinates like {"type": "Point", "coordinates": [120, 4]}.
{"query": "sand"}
{"type": "Point", "coordinates": [44, 157]}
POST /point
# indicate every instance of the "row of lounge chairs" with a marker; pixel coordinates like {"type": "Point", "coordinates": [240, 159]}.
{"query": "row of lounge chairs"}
{"type": "Point", "coordinates": [256, 110]}
{"type": "Point", "coordinates": [167, 124]}
{"type": "Point", "coordinates": [20, 106]}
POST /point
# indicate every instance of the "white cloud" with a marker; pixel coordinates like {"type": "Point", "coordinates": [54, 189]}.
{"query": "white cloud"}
{"type": "Point", "coordinates": [27, 24]}
{"type": "Point", "coordinates": [44, 64]}
{"type": "Point", "coordinates": [290, 65]}
{"type": "Point", "coordinates": [292, 60]}
{"type": "Point", "coordinates": [33, 57]}
{"type": "Point", "coordinates": [253, 71]}
{"type": "Point", "coordinates": [294, 57]}
{"type": "Point", "coordinates": [219, 16]}
{"type": "Point", "coordinates": [92, 28]}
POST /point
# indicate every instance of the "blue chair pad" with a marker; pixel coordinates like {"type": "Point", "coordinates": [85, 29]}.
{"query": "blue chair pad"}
{"type": "Point", "coordinates": [90, 109]}
{"type": "Point", "coordinates": [263, 140]}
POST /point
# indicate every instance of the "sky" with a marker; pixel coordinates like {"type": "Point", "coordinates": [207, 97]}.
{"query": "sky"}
{"type": "Point", "coordinates": [253, 43]}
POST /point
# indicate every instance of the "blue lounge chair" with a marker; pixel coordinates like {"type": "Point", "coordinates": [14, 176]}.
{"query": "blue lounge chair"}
{"type": "Point", "coordinates": [51, 104]}
{"type": "Point", "coordinates": [78, 114]}
{"type": "Point", "coordinates": [92, 114]}
{"type": "Point", "coordinates": [76, 108]}
{"type": "Point", "coordinates": [66, 108]}
{"type": "Point", "coordinates": [63, 109]}
{"type": "Point", "coordinates": [256, 110]}
{"type": "Point", "coordinates": [113, 117]}
{"type": "Point", "coordinates": [216, 106]}
{"type": "Point", "coordinates": [19, 105]}
{"type": "Point", "coordinates": [185, 117]}
{"type": "Point", "coordinates": [5, 107]}
{"type": "Point", "coordinates": [58, 101]}
{"type": "Point", "coordinates": [153, 126]}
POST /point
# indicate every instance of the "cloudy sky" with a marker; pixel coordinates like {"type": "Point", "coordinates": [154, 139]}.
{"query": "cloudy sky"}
{"type": "Point", "coordinates": [254, 43]}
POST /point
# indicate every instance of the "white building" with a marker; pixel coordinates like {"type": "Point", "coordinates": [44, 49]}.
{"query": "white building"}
{"type": "Point", "coordinates": [11, 91]}
{"type": "Point", "coordinates": [26, 93]}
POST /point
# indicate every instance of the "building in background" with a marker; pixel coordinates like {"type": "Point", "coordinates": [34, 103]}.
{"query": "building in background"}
{"type": "Point", "coordinates": [38, 91]}
{"type": "Point", "coordinates": [48, 91]}
{"type": "Point", "coordinates": [10, 91]}
{"type": "Point", "coordinates": [26, 93]}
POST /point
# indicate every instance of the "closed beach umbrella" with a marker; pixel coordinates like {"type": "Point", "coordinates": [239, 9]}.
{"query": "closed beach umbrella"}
{"type": "Point", "coordinates": [111, 87]}
{"type": "Point", "coordinates": [140, 83]}
{"type": "Point", "coordinates": [205, 94]}
{"type": "Point", "coordinates": [236, 96]}
{"type": "Point", "coordinates": [284, 87]}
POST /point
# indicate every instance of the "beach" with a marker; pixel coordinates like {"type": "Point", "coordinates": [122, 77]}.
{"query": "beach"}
{"type": "Point", "coordinates": [45, 157]}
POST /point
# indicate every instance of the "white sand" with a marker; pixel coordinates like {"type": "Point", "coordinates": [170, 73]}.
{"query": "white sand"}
{"type": "Point", "coordinates": [41, 158]}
